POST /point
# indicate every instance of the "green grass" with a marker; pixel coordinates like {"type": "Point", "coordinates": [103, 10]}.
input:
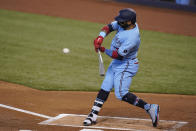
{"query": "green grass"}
{"type": "Point", "coordinates": [31, 54]}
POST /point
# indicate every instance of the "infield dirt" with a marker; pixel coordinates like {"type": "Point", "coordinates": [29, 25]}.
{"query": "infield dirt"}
{"type": "Point", "coordinates": [53, 103]}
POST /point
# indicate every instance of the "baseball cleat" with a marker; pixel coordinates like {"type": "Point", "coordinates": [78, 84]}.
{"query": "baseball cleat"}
{"type": "Point", "coordinates": [154, 114]}
{"type": "Point", "coordinates": [89, 120]}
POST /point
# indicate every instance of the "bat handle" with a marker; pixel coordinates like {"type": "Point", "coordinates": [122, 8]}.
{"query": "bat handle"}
{"type": "Point", "coordinates": [98, 51]}
{"type": "Point", "coordinates": [100, 56]}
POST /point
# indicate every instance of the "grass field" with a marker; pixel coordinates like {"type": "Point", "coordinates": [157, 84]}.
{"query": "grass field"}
{"type": "Point", "coordinates": [31, 54]}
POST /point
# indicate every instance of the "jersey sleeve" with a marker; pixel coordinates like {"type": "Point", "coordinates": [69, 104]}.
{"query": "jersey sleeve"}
{"type": "Point", "coordinates": [126, 48]}
{"type": "Point", "coordinates": [115, 25]}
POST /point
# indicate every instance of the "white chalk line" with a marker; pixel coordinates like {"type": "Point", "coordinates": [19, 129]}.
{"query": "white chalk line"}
{"type": "Point", "coordinates": [53, 119]}
{"type": "Point", "coordinates": [125, 118]}
{"type": "Point", "coordinates": [47, 122]}
{"type": "Point", "coordinates": [94, 127]}
{"type": "Point", "coordinates": [25, 111]}
{"type": "Point", "coordinates": [178, 125]}
{"type": "Point", "coordinates": [50, 119]}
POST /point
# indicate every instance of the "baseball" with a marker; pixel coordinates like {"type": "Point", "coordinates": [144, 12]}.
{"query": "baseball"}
{"type": "Point", "coordinates": [66, 50]}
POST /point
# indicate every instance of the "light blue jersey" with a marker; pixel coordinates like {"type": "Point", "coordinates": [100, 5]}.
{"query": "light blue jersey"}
{"type": "Point", "coordinates": [120, 72]}
{"type": "Point", "coordinates": [126, 41]}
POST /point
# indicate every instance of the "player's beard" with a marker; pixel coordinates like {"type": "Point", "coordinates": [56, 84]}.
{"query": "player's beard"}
{"type": "Point", "coordinates": [124, 25]}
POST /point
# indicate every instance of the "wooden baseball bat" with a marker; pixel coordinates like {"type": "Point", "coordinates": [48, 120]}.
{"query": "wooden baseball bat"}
{"type": "Point", "coordinates": [101, 65]}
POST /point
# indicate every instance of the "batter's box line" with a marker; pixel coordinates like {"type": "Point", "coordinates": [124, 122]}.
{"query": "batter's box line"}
{"type": "Point", "coordinates": [48, 122]}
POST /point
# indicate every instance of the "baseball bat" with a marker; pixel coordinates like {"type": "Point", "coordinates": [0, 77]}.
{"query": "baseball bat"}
{"type": "Point", "coordinates": [101, 65]}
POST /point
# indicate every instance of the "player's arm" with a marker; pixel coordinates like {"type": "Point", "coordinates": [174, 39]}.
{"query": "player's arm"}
{"type": "Point", "coordinates": [109, 28]}
{"type": "Point", "coordinates": [104, 32]}
{"type": "Point", "coordinates": [112, 53]}
{"type": "Point", "coordinates": [121, 52]}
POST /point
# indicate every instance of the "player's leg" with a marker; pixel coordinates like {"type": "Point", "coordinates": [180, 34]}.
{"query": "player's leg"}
{"type": "Point", "coordinates": [152, 109]}
{"type": "Point", "coordinates": [122, 83]}
{"type": "Point", "coordinates": [98, 103]}
{"type": "Point", "coordinates": [102, 96]}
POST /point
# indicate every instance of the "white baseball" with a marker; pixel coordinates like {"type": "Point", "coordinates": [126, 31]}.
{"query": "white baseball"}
{"type": "Point", "coordinates": [66, 50]}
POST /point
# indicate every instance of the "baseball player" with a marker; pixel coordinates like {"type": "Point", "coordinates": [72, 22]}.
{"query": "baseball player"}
{"type": "Point", "coordinates": [124, 66]}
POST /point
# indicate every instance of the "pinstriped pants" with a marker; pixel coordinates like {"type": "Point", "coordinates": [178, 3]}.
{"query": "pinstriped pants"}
{"type": "Point", "coordinates": [119, 76]}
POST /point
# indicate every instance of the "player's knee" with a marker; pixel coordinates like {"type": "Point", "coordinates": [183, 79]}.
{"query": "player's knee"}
{"type": "Point", "coordinates": [118, 95]}
{"type": "Point", "coordinates": [129, 97]}
{"type": "Point", "coordinates": [103, 95]}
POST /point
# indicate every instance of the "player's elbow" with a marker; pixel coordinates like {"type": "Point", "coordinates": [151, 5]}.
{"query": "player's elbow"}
{"type": "Point", "coordinates": [116, 55]}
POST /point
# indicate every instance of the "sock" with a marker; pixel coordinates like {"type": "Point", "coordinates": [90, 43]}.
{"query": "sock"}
{"type": "Point", "coordinates": [96, 109]}
{"type": "Point", "coordinates": [98, 103]}
{"type": "Point", "coordinates": [134, 100]}
{"type": "Point", "coordinates": [140, 103]}
{"type": "Point", "coordinates": [147, 107]}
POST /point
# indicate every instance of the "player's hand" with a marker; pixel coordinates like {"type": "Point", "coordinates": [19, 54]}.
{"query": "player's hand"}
{"type": "Point", "coordinates": [97, 46]}
{"type": "Point", "coordinates": [102, 49]}
{"type": "Point", "coordinates": [97, 42]}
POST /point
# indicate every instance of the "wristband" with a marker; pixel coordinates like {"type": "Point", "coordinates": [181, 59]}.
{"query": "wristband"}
{"type": "Point", "coordinates": [102, 33]}
{"type": "Point", "coordinates": [113, 54]}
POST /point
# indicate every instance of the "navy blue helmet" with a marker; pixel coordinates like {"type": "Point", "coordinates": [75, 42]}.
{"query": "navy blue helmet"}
{"type": "Point", "coordinates": [125, 15]}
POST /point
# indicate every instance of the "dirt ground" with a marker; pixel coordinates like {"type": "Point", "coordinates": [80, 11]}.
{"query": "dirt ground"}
{"type": "Point", "coordinates": [53, 103]}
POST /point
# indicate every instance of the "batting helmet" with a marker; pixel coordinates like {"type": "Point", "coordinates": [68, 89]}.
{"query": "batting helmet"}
{"type": "Point", "coordinates": [127, 14]}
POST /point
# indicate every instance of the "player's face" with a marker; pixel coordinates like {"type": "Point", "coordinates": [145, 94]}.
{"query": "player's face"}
{"type": "Point", "coordinates": [124, 24]}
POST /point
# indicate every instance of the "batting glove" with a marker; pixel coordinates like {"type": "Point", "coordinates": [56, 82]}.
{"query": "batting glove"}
{"type": "Point", "coordinates": [96, 46]}
{"type": "Point", "coordinates": [97, 42]}
{"type": "Point", "coordinates": [102, 49]}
